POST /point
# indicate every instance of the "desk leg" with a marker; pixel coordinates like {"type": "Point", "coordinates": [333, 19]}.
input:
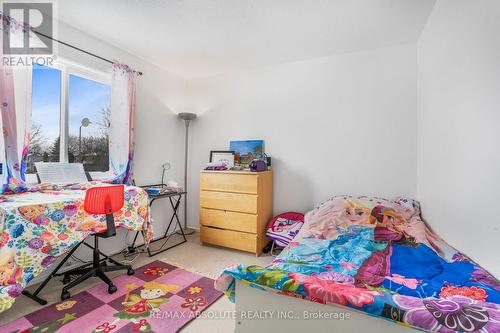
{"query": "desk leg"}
{"type": "Point", "coordinates": [166, 236]}
{"type": "Point", "coordinates": [54, 273]}
{"type": "Point", "coordinates": [131, 248]}
{"type": "Point", "coordinates": [176, 208]}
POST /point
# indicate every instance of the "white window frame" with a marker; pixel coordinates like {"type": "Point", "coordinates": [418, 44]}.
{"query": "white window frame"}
{"type": "Point", "coordinates": [67, 68]}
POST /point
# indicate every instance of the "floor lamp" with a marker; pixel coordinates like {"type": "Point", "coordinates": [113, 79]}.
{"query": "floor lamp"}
{"type": "Point", "coordinates": [187, 117]}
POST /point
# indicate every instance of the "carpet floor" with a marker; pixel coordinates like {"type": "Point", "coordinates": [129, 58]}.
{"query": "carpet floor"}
{"type": "Point", "coordinates": [159, 297]}
{"type": "Point", "coordinates": [192, 256]}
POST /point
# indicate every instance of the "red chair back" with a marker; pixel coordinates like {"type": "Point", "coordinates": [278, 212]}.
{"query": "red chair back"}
{"type": "Point", "coordinates": [104, 200]}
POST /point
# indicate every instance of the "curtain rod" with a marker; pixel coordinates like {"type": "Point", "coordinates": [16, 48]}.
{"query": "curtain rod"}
{"type": "Point", "coordinates": [76, 48]}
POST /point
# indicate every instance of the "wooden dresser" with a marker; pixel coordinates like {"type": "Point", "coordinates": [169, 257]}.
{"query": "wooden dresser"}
{"type": "Point", "coordinates": [235, 207]}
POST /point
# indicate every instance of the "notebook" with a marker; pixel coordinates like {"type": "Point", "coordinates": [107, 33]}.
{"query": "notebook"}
{"type": "Point", "coordinates": [60, 173]}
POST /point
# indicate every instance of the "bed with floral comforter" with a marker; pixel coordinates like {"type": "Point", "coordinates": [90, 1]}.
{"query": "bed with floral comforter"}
{"type": "Point", "coordinates": [46, 221]}
{"type": "Point", "coordinates": [379, 257]}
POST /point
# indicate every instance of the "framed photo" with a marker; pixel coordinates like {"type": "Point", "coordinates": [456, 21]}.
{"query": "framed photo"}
{"type": "Point", "coordinates": [224, 156]}
{"type": "Point", "coordinates": [245, 151]}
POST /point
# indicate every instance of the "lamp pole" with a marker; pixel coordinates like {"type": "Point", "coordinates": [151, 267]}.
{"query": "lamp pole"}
{"type": "Point", "coordinates": [85, 123]}
{"type": "Point", "coordinates": [187, 117]}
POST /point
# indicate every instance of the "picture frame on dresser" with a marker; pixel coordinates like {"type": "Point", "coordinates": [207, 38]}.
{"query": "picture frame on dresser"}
{"type": "Point", "coordinates": [224, 156]}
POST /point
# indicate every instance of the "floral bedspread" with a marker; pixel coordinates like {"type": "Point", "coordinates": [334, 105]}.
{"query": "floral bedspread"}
{"type": "Point", "coordinates": [378, 256]}
{"type": "Point", "coordinates": [42, 224]}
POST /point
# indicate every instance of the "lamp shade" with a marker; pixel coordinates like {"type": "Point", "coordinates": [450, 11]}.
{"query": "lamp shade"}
{"type": "Point", "coordinates": [187, 115]}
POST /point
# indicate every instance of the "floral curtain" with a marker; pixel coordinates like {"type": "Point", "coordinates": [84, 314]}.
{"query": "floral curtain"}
{"type": "Point", "coordinates": [15, 119]}
{"type": "Point", "coordinates": [122, 122]}
{"type": "Point", "coordinates": [15, 105]}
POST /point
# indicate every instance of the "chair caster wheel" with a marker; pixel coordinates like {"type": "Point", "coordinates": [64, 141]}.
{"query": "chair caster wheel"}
{"type": "Point", "coordinates": [130, 271]}
{"type": "Point", "coordinates": [65, 295]}
{"type": "Point", "coordinates": [66, 279]}
{"type": "Point", "coordinates": [112, 289]}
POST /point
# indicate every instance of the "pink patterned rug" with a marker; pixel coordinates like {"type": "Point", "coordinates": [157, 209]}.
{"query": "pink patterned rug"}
{"type": "Point", "coordinates": [159, 298]}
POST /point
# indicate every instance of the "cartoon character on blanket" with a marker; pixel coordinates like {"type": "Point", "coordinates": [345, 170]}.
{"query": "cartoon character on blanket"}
{"type": "Point", "coordinates": [378, 256]}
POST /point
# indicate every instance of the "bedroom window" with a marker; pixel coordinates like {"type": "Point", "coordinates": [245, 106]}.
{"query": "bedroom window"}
{"type": "Point", "coordinates": [45, 116]}
{"type": "Point", "coordinates": [70, 117]}
{"type": "Point", "coordinates": [88, 123]}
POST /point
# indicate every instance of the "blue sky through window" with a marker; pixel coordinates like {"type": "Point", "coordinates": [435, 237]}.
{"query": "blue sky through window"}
{"type": "Point", "coordinates": [86, 99]}
{"type": "Point", "coordinates": [46, 101]}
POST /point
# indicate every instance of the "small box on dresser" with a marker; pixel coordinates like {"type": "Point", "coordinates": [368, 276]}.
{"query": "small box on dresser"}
{"type": "Point", "coordinates": [235, 207]}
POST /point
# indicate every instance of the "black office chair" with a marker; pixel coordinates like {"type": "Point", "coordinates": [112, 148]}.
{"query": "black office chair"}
{"type": "Point", "coordinates": [98, 200]}
{"type": "Point", "coordinates": [104, 200]}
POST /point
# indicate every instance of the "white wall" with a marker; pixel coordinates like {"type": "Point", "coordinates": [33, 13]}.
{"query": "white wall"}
{"type": "Point", "coordinates": [347, 123]}
{"type": "Point", "coordinates": [459, 126]}
{"type": "Point", "coordinates": [159, 133]}
{"type": "Point", "coordinates": [335, 125]}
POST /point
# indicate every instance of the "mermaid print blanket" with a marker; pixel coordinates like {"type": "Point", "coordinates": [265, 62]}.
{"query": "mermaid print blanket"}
{"type": "Point", "coordinates": [379, 257]}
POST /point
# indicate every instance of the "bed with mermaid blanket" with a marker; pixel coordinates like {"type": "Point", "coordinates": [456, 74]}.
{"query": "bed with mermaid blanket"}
{"type": "Point", "coordinates": [376, 256]}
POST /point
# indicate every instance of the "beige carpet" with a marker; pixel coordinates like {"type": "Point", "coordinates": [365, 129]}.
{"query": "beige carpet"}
{"type": "Point", "coordinates": [191, 256]}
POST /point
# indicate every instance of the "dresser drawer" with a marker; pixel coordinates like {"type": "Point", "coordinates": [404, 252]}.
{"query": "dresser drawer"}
{"type": "Point", "coordinates": [228, 238]}
{"type": "Point", "coordinates": [229, 182]}
{"type": "Point", "coordinates": [228, 220]}
{"type": "Point", "coordinates": [236, 202]}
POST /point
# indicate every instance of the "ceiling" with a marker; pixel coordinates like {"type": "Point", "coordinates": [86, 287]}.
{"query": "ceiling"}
{"type": "Point", "coordinates": [204, 37]}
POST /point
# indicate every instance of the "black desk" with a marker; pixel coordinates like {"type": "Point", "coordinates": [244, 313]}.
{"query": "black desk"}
{"type": "Point", "coordinates": [175, 199]}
